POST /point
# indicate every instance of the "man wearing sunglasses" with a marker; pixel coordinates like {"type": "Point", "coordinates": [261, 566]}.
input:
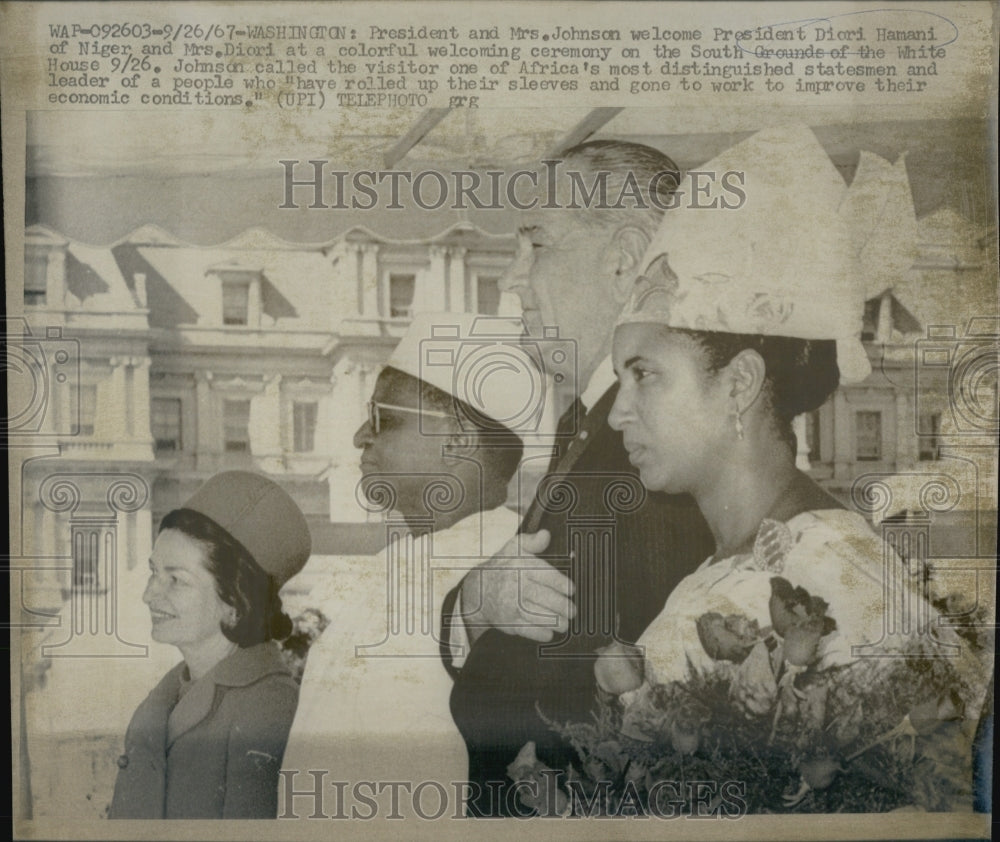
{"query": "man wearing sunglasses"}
{"type": "Point", "coordinates": [436, 448]}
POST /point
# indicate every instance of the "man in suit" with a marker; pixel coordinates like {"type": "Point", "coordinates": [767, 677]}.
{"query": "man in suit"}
{"type": "Point", "coordinates": [597, 554]}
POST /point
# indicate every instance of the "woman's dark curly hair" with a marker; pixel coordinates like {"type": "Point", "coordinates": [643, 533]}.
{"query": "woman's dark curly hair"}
{"type": "Point", "coordinates": [239, 580]}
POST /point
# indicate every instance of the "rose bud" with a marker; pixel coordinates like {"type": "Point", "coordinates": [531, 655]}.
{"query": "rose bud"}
{"type": "Point", "coordinates": [618, 668]}
{"type": "Point", "coordinates": [525, 764]}
{"type": "Point", "coordinates": [801, 643]}
{"type": "Point", "coordinates": [727, 638]}
{"type": "Point", "coordinates": [819, 772]}
{"type": "Point", "coordinates": [545, 797]}
{"type": "Point", "coordinates": [790, 606]}
{"type": "Point", "coordinates": [927, 716]}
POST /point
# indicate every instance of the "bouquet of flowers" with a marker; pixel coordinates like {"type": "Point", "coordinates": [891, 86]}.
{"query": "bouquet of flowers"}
{"type": "Point", "coordinates": [306, 628]}
{"type": "Point", "coordinates": [769, 730]}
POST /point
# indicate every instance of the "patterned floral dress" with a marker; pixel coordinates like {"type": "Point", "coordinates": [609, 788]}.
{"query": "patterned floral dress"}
{"type": "Point", "coordinates": [831, 644]}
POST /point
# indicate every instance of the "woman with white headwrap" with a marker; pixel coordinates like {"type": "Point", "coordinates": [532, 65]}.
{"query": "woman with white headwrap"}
{"type": "Point", "coordinates": [744, 319]}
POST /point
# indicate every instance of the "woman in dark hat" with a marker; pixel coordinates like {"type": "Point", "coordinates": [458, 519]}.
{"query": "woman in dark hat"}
{"type": "Point", "coordinates": [207, 741]}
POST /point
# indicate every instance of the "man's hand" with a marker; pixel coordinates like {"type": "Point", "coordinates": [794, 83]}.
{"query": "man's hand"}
{"type": "Point", "coordinates": [518, 593]}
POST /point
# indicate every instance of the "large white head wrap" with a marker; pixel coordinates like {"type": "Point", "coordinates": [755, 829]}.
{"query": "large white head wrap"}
{"type": "Point", "coordinates": [479, 360]}
{"type": "Point", "coordinates": [798, 257]}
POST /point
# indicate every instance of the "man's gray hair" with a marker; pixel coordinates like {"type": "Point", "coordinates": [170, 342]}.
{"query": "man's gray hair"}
{"type": "Point", "coordinates": [639, 170]}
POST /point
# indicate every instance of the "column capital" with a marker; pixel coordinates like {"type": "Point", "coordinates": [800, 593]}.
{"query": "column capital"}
{"type": "Point", "coordinates": [620, 493]}
{"type": "Point", "coordinates": [116, 492]}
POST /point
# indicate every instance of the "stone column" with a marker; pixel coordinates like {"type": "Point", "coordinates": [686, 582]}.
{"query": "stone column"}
{"type": "Point", "coordinates": [206, 421]}
{"type": "Point", "coordinates": [906, 432]}
{"type": "Point", "coordinates": [265, 426]}
{"type": "Point", "coordinates": [843, 436]}
{"type": "Point", "coordinates": [140, 398]}
{"type": "Point", "coordinates": [110, 422]}
{"type": "Point", "coordinates": [457, 301]}
{"type": "Point", "coordinates": [368, 282]}
{"type": "Point", "coordinates": [431, 292]}
{"type": "Point", "coordinates": [254, 303]}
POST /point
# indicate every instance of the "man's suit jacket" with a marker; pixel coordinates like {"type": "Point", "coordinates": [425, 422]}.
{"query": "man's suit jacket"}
{"type": "Point", "coordinates": [592, 500]}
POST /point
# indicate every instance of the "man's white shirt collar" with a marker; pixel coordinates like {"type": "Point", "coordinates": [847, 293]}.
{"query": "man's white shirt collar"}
{"type": "Point", "coordinates": [600, 381]}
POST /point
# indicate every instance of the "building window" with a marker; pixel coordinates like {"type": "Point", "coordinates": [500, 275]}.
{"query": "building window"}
{"type": "Point", "coordinates": [487, 295]}
{"type": "Point", "coordinates": [166, 423]}
{"type": "Point", "coordinates": [868, 436]}
{"type": "Point", "coordinates": [930, 437]}
{"type": "Point", "coordinates": [86, 550]}
{"type": "Point", "coordinates": [304, 426]}
{"type": "Point", "coordinates": [36, 269]}
{"type": "Point", "coordinates": [235, 303]}
{"type": "Point", "coordinates": [236, 426]}
{"type": "Point", "coordinates": [812, 435]}
{"type": "Point", "coordinates": [85, 398]}
{"type": "Point", "coordinates": [401, 291]}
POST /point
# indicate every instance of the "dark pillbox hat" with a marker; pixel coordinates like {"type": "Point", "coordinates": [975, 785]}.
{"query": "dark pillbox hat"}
{"type": "Point", "coordinates": [260, 514]}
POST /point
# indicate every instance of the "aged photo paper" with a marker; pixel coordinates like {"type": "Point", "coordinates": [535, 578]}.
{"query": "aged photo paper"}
{"type": "Point", "coordinates": [492, 420]}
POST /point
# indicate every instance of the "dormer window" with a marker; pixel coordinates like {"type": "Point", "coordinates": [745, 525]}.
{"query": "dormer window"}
{"type": "Point", "coordinates": [240, 293]}
{"type": "Point", "coordinates": [235, 303]}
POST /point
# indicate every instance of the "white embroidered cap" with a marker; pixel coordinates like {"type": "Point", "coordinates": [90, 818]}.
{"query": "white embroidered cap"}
{"type": "Point", "coordinates": [478, 359]}
{"type": "Point", "coordinates": [798, 257]}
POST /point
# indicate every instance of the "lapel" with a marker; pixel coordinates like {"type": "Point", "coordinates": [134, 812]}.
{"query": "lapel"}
{"type": "Point", "coordinates": [149, 725]}
{"type": "Point", "coordinates": [242, 668]}
{"type": "Point", "coordinates": [569, 453]}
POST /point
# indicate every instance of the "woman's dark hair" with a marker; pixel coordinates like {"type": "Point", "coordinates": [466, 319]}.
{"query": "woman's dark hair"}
{"type": "Point", "coordinates": [239, 580]}
{"type": "Point", "coordinates": [800, 373]}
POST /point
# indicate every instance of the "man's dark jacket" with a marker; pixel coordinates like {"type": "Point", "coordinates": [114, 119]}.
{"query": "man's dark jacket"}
{"type": "Point", "coordinates": [590, 501]}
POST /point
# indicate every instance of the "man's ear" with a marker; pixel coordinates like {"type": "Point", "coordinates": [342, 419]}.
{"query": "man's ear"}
{"type": "Point", "coordinates": [459, 447]}
{"type": "Point", "coordinates": [747, 373]}
{"type": "Point", "coordinates": [625, 258]}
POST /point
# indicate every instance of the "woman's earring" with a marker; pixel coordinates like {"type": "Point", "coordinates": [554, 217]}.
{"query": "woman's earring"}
{"type": "Point", "coordinates": [739, 425]}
